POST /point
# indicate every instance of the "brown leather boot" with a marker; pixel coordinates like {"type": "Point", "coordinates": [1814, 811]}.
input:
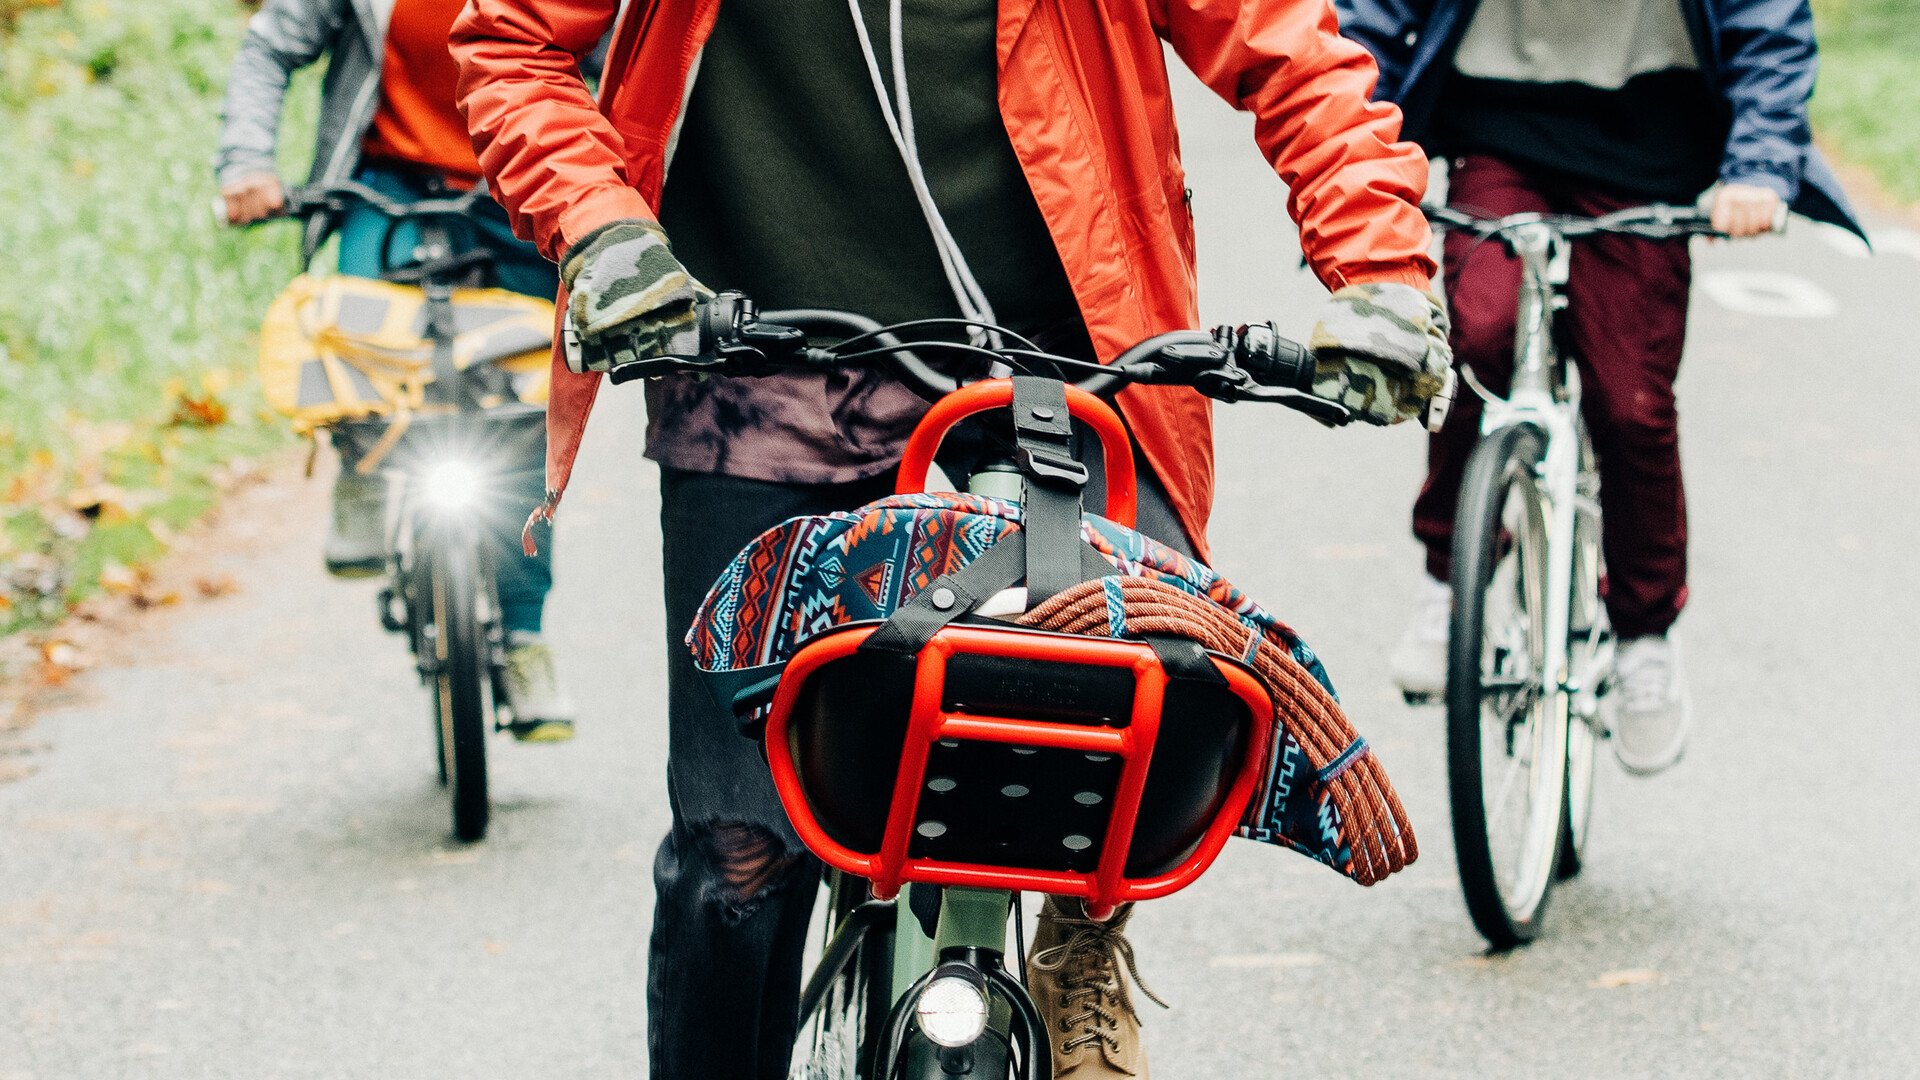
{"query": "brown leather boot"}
{"type": "Point", "coordinates": [1076, 978]}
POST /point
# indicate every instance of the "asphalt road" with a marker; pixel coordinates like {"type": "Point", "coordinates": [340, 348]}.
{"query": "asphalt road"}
{"type": "Point", "coordinates": [232, 860]}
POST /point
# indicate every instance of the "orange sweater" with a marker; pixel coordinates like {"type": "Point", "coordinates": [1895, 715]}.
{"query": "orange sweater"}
{"type": "Point", "coordinates": [417, 122]}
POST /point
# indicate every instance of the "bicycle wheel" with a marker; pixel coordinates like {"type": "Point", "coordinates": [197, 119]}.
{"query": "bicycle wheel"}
{"type": "Point", "coordinates": [1589, 650]}
{"type": "Point", "coordinates": [460, 676]}
{"type": "Point", "coordinates": [1582, 751]}
{"type": "Point", "coordinates": [847, 998]}
{"type": "Point", "coordinates": [1506, 720]}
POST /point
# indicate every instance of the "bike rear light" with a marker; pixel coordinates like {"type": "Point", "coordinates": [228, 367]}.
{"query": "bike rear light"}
{"type": "Point", "coordinates": [952, 1011]}
{"type": "Point", "coordinates": [452, 484]}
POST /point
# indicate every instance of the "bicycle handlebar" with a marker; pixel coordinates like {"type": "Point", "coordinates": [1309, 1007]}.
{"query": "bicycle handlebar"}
{"type": "Point", "coordinates": [304, 202]}
{"type": "Point", "coordinates": [1228, 364]}
{"type": "Point", "coordinates": [1657, 221]}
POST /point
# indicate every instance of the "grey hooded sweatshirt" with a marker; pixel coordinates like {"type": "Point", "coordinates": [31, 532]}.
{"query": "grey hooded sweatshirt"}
{"type": "Point", "coordinates": [283, 37]}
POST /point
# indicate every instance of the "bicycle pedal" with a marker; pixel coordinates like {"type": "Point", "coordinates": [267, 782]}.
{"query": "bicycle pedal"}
{"type": "Point", "coordinates": [394, 615]}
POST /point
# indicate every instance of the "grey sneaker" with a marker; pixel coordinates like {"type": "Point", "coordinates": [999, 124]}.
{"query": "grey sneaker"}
{"type": "Point", "coordinates": [1654, 710]}
{"type": "Point", "coordinates": [1419, 662]}
{"type": "Point", "coordinates": [541, 713]}
{"type": "Point", "coordinates": [356, 544]}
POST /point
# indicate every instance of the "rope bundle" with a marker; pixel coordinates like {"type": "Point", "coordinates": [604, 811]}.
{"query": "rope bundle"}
{"type": "Point", "coordinates": [1375, 824]}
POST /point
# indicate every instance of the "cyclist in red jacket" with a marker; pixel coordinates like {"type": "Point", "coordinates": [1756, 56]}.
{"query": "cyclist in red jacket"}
{"type": "Point", "coordinates": [1012, 161]}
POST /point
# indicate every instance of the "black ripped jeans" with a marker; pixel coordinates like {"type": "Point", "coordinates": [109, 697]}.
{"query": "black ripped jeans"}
{"type": "Point", "coordinates": [734, 887]}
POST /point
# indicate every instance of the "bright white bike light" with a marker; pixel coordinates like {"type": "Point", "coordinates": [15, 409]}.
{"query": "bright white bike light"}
{"type": "Point", "coordinates": [952, 1011]}
{"type": "Point", "coordinates": [452, 484]}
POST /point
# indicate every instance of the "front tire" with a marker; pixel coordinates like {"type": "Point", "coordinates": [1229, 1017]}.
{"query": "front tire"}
{"type": "Point", "coordinates": [461, 679]}
{"type": "Point", "coordinates": [847, 1006]}
{"type": "Point", "coordinates": [1506, 717]}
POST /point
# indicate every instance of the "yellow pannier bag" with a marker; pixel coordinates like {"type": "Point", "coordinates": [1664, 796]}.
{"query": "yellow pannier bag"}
{"type": "Point", "coordinates": [338, 347]}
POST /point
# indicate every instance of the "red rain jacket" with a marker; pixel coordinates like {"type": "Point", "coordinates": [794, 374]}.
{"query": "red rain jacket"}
{"type": "Point", "coordinates": [1084, 93]}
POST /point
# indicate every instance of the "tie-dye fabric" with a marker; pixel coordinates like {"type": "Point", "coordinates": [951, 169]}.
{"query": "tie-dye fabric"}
{"type": "Point", "coordinates": [810, 575]}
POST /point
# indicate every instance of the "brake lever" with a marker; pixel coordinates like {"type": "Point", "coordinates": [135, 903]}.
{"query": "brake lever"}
{"type": "Point", "coordinates": [663, 365]}
{"type": "Point", "coordinates": [745, 352]}
{"type": "Point", "coordinates": [1231, 384]}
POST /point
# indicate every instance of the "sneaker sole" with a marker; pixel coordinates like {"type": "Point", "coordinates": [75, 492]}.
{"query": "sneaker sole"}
{"type": "Point", "coordinates": [1674, 754]}
{"type": "Point", "coordinates": [552, 731]}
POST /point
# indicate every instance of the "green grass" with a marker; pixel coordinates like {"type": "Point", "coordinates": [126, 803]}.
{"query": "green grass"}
{"type": "Point", "coordinates": [119, 294]}
{"type": "Point", "coordinates": [1867, 106]}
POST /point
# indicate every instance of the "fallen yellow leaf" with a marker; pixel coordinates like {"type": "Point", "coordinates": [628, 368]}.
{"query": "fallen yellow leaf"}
{"type": "Point", "coordinates": [99, 502]}
{"type": "Point", "coordinates": [203, 410]}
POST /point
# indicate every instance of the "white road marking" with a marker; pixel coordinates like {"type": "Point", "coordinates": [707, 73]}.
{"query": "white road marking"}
{"type": "Point", "coordinates": [1768, 293]}
{"type": "Point", "coordinates": [1840, 240]}
{"type": "Point", "coordinates": [1897, 242]}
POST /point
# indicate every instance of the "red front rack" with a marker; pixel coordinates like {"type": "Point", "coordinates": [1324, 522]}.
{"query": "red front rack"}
{"type": "Point", "coordinates": [929, 722]}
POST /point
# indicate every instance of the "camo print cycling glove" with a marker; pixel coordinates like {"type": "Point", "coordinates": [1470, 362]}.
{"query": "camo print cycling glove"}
{"type": "Point", "coordinates": [629, 296]}
{"type": "Point", "coordinates": [1381, 350]}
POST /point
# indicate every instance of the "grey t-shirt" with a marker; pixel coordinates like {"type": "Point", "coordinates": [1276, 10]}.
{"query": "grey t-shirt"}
{"type": "Point", "coordinates": [1597, 44]}
{"type": "Point", "coordinates": [1604, 94]}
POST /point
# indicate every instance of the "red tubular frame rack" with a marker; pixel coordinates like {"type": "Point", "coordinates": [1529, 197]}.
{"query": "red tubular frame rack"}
{"type": "Point", "coordinates": [928, 723]}
{"type": "Point", "coordinates": [1116, 449]}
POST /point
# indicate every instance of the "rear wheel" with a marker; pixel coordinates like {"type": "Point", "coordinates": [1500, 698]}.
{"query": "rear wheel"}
{"type": "Point", "coordinates": [461, 679]}
{"type": "Point", "coordinates": [1506, 717]}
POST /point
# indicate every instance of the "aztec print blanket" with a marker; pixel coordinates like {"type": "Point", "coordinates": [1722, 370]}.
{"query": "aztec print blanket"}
{"type": "Point", "coordinates": [810, 575]}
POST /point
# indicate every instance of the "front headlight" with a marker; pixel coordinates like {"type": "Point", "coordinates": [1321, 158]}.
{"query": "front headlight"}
{"type": "Point", "coordinates": [952, 1011]}
{"type": "Point", "coordinates": [452, 484]}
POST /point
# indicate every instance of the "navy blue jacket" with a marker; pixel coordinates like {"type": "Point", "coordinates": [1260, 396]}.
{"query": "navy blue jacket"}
{"type": "Point", "coordinates": [1758, 54]}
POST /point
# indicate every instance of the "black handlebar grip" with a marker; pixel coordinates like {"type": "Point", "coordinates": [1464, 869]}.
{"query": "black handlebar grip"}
{"type": "Point", "coordinates": [1274, 360]}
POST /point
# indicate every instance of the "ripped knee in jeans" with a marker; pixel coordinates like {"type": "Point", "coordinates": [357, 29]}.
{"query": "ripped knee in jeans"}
{"type": "Point", "coordinates": [750, 861]}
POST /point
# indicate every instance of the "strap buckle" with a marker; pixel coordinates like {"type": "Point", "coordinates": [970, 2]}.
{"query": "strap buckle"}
{"type": "Point", "coordinates": [1047, 463]}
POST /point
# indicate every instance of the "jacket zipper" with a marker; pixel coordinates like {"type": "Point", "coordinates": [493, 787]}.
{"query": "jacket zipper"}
{"type": "Point", "coordinates": [689, 60]}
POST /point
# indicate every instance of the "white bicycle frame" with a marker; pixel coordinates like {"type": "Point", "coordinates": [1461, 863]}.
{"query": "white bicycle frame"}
{"type": "Point", "coordinates": [1542, 400]}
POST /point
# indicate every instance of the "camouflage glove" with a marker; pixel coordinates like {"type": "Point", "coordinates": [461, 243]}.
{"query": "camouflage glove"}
{"type": "Point", "coordinates": [1381, 350]}
{"type": "Point", "coordinates": [628, 298]}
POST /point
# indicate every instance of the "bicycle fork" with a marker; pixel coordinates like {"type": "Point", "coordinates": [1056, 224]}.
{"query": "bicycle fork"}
{"type": "Point", "coordinates": [972, 1016]}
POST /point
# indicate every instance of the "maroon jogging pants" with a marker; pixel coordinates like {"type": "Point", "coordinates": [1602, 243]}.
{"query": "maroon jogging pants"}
{"type": "Point", "coordinates": [1627, 322]}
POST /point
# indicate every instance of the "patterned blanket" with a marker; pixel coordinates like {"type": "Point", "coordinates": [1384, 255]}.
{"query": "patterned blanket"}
{"type": "Point", "coordinates": [810, 575]}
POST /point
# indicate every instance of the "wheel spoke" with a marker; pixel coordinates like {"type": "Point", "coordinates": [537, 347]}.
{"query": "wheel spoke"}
{"type": "Point", "coordinates": [1498, 804]}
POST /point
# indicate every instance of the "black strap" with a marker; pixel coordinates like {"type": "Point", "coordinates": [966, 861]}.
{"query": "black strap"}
{"type": "Point", "coordinates": [1053, 481]}
{"type": "Point", "coordinates": [952, 595]}
{"type": "Point", "coordinates": [1184, 659]}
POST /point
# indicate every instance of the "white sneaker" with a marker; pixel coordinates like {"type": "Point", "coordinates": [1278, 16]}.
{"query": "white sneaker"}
{"type": "Point", "coordinates": [1654, 709]}
{"type": "Point", "coordinates": [1419, 662]}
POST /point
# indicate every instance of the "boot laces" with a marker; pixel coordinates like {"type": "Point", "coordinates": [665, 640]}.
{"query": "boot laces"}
{"type": "Point", "coordinates": [1089, 977]}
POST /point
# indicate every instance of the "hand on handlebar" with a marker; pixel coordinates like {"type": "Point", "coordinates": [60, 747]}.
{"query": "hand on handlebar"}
{"type": "Point", "coordinates": [1381, 350]}
{"type": "Point", "coordinates": [1743, 210]}
{"type": "Point", "coordinates": [629, 299]}
{"type": "Point", "coordinates": [250, 198]}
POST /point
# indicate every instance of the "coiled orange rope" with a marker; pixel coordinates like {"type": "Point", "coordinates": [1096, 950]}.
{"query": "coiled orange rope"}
{"type": "Point", "coordinates": [1374, 823]}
